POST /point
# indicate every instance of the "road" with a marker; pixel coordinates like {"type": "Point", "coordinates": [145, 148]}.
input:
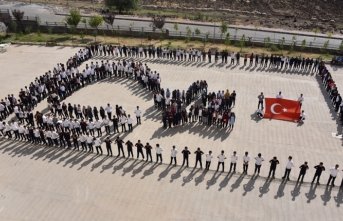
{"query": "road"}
{"type": "Point", "coordinates": [48, 13]}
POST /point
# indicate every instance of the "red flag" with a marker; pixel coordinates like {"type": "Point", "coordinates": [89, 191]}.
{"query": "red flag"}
{"type": "Point", "coordinates": [282, 109]}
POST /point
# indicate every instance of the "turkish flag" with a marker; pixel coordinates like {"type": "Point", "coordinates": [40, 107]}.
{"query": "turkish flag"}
{"type": "Point", "coordinates": [282, 109]}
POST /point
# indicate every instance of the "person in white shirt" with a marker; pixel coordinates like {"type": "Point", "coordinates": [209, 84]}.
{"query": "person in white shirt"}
{"type": "Point", "coordinates": [234, 159]}
{"type": "Point", "coordinates": [221, 157]}
{"type": "Point", "coordinates": [209, 157]}
{"type": "Point", "coordinates": [246, 159]}
{"type": "Point", "coordinates": [158, 152]}
{"type": "Point", "coordinates": [97, 143]}
{"type": "Point", "coordinates": [98, 125]}
{"type": "Point", "coordinates": [258, 163]}
{"type": "Point", "coordinates": [173, 153]}
{"type": "Point", "coordinates": [129, 122]}
{"type": "Point", "coordinates": [288, 169]}
{"type": "Point", "coordinates": [83, 139]}
{"type": "Point", "coordinates": [89, 139]}
{"type": "Point", "coordinates": [279, 95]}
{"type": "Point", "coordinates": [91, 127]}
{"type": "Point", "coordinates": [123, 120]}
{"type": "Point", "coordinates": [260, 112]}
{"type": "Point", "coordinates": [138, 113]}
{"type": "Point", "coordinates": [106, 122]}
{"type": "Point", "coordinates": [302, 116]}
{"type": "Point", "coordinates": [301, 99]}
{"type": "Point", "coordinates": [108, 109]}
{"type": "Point", "coordinates": [333, 174]}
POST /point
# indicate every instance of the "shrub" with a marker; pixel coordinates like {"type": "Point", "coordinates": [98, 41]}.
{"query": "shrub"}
{"type": "Point", "coordinates": [274, 48]}
{"type": "Point", "coordinates": [27, 30]}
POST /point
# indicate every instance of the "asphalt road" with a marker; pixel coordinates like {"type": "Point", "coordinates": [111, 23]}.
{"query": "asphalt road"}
{"type": "Point", "coordinates": [47, 13]}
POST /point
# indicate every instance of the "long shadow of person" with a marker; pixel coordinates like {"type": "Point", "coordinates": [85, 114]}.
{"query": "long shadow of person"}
{"type": "Point", "coordinates": [237, 183]}
{"type": "Point", "coordinates": [311, 195]}
{"type": "Point", "coordinates": [96, 165]}
{"type": "Point", "coordinates": [129, 168]}
{"type": "Point", "coordinates": [327, 195]}
{"type": "Point", "coordinates": [296, 191]}
{"type": "Point", "coordinates": [108, 166]}
{"type": "Point", "coordinates": [85, 163]}
{"type": "Point", "coordinates": [265, 188]}
{"type": "Point", "coordinates": [120, 166]}
{"type": "Point", "coordinates": [339, 198]}
{"type": "Point", "coordinates": [213, 180]}
{"type": "Point", "coordinates": [139, 169]}
{"type": "Point", "coordinates": [190, 176]}
{"type": "Point", "coordinates": [200, 178]}
{"type": "Point", "coordinates": [177, 174]}
{"type": "Point", "coordinates": [150, 171]}
{"type": "Point", "coordinates": [165, 172]}
{"type": "Point", "coordinates": [225, 181]}
{"type": "Point", "coordinates": [249, 186]}
{"type": "Point", "coordinates": [280, 190]}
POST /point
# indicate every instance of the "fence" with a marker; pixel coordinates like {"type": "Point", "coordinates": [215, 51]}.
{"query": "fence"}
{"type": "Point", "coordinates": [143, 32]}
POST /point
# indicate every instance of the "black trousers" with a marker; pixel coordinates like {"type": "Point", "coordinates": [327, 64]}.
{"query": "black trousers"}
{"type": "Point", "coordinates": [120, 148]}
{"type": "Point", "coordinates": [158, 156]}
{"type": "Point", "coordinates": [287, 172]}
{"type": "Point", "coordinates": [148, 153]}
{"type": "Point", "coordinates": [333, 180]}
{"type": "Point", "coordinates": [138, 120]}
{"type": "Point", "coordinates": [272, 169]}
{"type": "Point", "coordinates": [55, 141]}
{"type": "Point", "coordinates": [83, 145]}
{"type": "Point", "coordinates": [208, 163]}
{"type": "Point", "coordinates": [140, 152]}
{"type": "Point", "coordinates": [171, 160]}
{"type": "Point", "coordinates": [130, 127]}
{"type": "Point", "coordinates": [185, 158]}
{"type": "Point", "coordinates": [97, 149]}
{"type": "Point", "coordinates": [234, 167]}
{"type": "Point", "coordinates": [257, 168]}
{"type": "Point", "coordinates": [198, 160]}
{"type": "Point", "coordinates": [109, 150]}
{"type": "Point", "coordinates": [107, 128]}
{"type": "Point", "coordinates": [129, 151]}
{"type": "Point", "coordinates": [245, 168]}
{"type": "Point", "coordinates": [302, 176]}
{"type": "Point", "coordinates": [222, 163]}
{"type": "Point", "coordinates": [123, 127]}
{"type": "Point", "coordinates": [318, 177]}
{"type": "Point", "coordinates": [90, 146]}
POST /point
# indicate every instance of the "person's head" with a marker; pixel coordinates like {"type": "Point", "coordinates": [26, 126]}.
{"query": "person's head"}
{"type": "Point", "coordinates": [274, 158]}
{"type": "Point", "coordinates": [210, 152]}
{"type": "Point", "coordinates": [261, 93]}
{"type": "Point", "coordinates": [137, 107]}
{"type": "Point", "coordinates": [139, 141]}
{"type": "Point", "coordinates": [336, 166]}
{"type": "Point", "coordinates": [157, 145]}
{"type": "Point", "coordinates": [173, 147]}
{"type": "Point", "coordinates": [107, 138]}
{"type": "Point", "coordinates": [198, 149]}
{"type": "Point", "coordinates": [290, 158]}
{"type": "Point", "coordinates": [234, 152]}
{"type": "Point", "coordinates": [259, 155]}
{"type": "Point", "coordinates": [305, 163]}
{"type": "Point", "coordinates": [246, 153]}
{"type": "Point", "coordinates": [186, 148]}
{"type": "Point", "coordinates": [301, 95]}
{"type": "Point", "coordinates": [321, 164]}
{"type": "Point", "coordinates": [280, 92]}
{"type": "Point", "coordinates": [222, 151]}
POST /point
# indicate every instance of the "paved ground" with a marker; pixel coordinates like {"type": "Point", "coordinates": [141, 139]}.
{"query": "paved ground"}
{"type": "Point", "coordinates": [51, 184]}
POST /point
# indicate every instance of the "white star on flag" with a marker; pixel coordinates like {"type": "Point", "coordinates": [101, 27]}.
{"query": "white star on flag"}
{"type": "Point", "coordinates": [284, 110]}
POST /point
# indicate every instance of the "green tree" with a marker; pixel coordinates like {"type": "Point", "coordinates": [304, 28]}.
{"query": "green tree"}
{"type": "Point", "coordinates": [82, 35]}
{"type": "Point", "coordinates": [223, 29]}
{"type": "Point", "coordinates": [325, 46]}
{"type": "Point", "coordinates": [118, 33]}
{"type": "Point", "coordinates": [227, 40]}
{"type": "Point", "coordinates": [315, 31]}
{"type": "Point", "coordinates": [303, 45]}
{"type": "Point", "coordinates": [197, 31]}
{"type": "Point", "coordinates": [242, 42]}
{"type": "Point", "coordinates": [282, 43]}
{"type": "Point", "coordinates": [176, 26]}
{"type": "Point", "coordinates": [73, 19]}
{"type": "Point", "coordinates": [14, 26]}
{"type": "Point", "coordinates": [95, 21]}
{"type": "Point", "coordinates": [188, 34]}
{"type": "Point", "coordinates": [122, 5]}
{"type": "Point", "coordinates": [109, 19]}
{"type": "Point", "coordinates": [161, 39]}
{"type": "Point", "coordinates": [267, 42]}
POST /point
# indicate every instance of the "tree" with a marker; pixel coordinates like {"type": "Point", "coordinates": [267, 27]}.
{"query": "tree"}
{"type": "Point", "coordinates": [325, 46]}
{"type": "Point", "coordinates": [197, 31]}
{"type": "Point", "coordinates": [122, 5]}
{"type": "Point", "coordinates": [118, 33]}
{"type": "Point", "coordinates": [157, 21]}
{"type": "Point", "coordinates": [282, 43]}
{"type": "Point", "coordinates": [256, 28]}
{"type": "Point", "coordinates": [341, 47]}
{"type": "Point", "coordinates": [176, 26]}
{"type": "Point", "coordinates": [82, 36]}
{"type": "Point", "coordinates": [95, 21]}
{"type": "Point", "coordinates": [223, 29]}
{"type": "Point", "coordinates": [242, 42]}
{"type": "Point", "coordinates": [109, 18]}
{"type": "Point", "coordinates": [14, 26]}
{"type": "Point", "coordinates": [303, 45]}
{"type": "Point", "coordinates": [316, 31]}
{"type": "Point", "coordinates": [19, 15]}
{"type": "Point", "coordinates": [73, 19]}
{"type": "Point", "coordinates": [7, 20]}
{"type": "Point", "coordinates": [267, 42]}
{"type": "Point", "coordinates": [227, 40]}
{"type": "Point", "coordinates": [188, 34]}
